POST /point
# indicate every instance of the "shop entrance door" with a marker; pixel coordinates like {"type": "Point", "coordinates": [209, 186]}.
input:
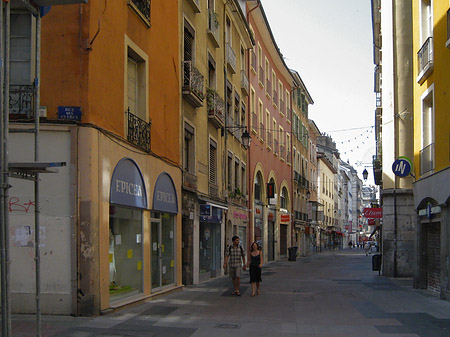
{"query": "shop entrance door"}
{"type": "Point", "coordinates": [156, 254]}
{"type": "Point", "coordinates": [283, 239]}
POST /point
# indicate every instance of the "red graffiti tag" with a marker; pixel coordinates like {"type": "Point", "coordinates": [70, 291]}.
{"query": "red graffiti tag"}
{"type": "Point", "coordinates": [15, 205]}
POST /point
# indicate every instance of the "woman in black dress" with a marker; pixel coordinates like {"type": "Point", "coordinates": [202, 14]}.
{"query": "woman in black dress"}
{"type": "Point", "coordinates": [255, 264]}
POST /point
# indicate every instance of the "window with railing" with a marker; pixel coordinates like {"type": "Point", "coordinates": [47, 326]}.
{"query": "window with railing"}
{"type": "Point", "coordinates": [425, 58]}
{"type": "Point", "coordinates": [427, 159]}
{"type": "Point", "coordinates": [138, 131]}
{"type": "Point", "coordinates": [142, 9]}
{"type": "Point", "coordinates": [21, 101]}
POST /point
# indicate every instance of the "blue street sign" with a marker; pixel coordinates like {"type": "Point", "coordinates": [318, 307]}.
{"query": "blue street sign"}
{"type": "Point", "coordinates": [402, 167]}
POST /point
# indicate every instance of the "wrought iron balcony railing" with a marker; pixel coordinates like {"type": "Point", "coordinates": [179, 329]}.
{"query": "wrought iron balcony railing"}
{"type": "Point", "coordinates": [275, 98]}
{"type": "Point", "coordinates": [275, 146]}
{"type": "Point", "coordinates": [216, 108]}
{"type": "Point", "coordinates": [253, 60]}
{"type": "Point", "coordinates": [138, 131]}
{"type": "Point", "coordinates": [262, 132]}
{"type": "Point", "coordinates": [282, 152]}
{"type": "Point", "coordinates": [231, 58]}
{"type": "Point", "coordinates": [21, 101]}
{"type": "Point", "coordinates": [245, 86]}
{"type": "Point", "coordinates": [425, 57]}
{"type": "Point", "coordinates": [427, 159]}
{"type": "Point", "coordinates": [268, 86]}
{"type": "Point", "coordinates": [193, 84]}
{"type": "Point", "coordinates": [261, 76]}
{"type": "Point", "coordinates": [269, 139]}
{"type": "Point", "coordinates": [254, 122]}
{"type": "Point", "coordinates": [282, 107]}
{"type": "Point", "coordinates": [142, 9]}
{"type": "Point", "coordinates": [214, 28]}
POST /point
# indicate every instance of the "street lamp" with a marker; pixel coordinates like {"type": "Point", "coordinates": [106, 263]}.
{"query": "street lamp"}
{"type": "Point", "coordinates": [308, 194]}
{"type": "Point", "coordinates": [365, 174]}
{"type": "Point", "coordinates": [246, 138]}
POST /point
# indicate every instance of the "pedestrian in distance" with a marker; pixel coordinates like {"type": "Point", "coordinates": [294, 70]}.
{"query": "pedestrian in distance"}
{"type": "Point", "coordinates": [235, 261]}
{"type": "Point", "coordinates": [255, 265]}
{"type": "Point", "coordinates": [367, 248]}
{"type": "Point", "coordinates": [350, 245]}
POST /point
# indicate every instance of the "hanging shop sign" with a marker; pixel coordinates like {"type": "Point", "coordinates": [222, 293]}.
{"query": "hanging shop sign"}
{"type": "Point", "coordinates": [402, 167]}
{"type": "Point", "coordinates": [127, 185]}
{"type": "Point", "coordinates": [373, 213]}
{"type": "Point", "coordinates": [165, 195]}
{"type": "Point", "coordinates": [285, 218]}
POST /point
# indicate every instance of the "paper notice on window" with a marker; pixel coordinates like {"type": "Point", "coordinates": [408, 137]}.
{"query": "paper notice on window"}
{"type": "Point", "coordinates": [139, 265]}
{"type": "Point", "coordinates": [162, 248]}
{"type": "Point", "coordinates": [118, 239]}
{"type": "Point", "coordinates": [111, 257]}
{"type": "Point", "coordinates": [155, 246]}
{"type": "Point", "coordinates": [138, 238]}
{"type": "Point", "coordinates": [164, 269]}
{"type": "Point", "coordinates": [130, 253]}
{"type": "Point", "coordinates": [171, 263]}
{"type": "Point", "coordinates": [171, 234]}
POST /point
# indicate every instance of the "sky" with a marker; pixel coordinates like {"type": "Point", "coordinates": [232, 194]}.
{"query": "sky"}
{"type": "Point", "coordinates": [329, 43]}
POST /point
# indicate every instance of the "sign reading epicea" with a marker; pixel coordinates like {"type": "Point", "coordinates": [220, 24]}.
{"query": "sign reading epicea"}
{"type": "Point", "coordinates": [127, 185]}
{"type": "Point", "coordinates": [165, 195]}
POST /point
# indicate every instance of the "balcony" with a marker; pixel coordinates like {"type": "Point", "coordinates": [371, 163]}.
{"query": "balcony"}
{"type": "Point", "coordinates": [138, 131]}
{"type": "Point", "coordinates": [427, 159]}
{"type": "Point", "coordinates": [268, 87]}
{"type": "Point", "coordinates": [142, 9]}
{"type": "Point", "coordinates": [193, 84]}
{"type": "Point", "coordinates": [245, 86]}
{"type": "Point", "coordinates": [216, 108]}
{"type": "Point", "coordinates": [425, 60]}
{"type": "Point", "coordinates": [21, 101]}
{"type": "Point", "coordinates": [253, 61]}
{"type": "Point", "coordinates": [269, 139]}
{"type": "Point", "coordinates": [275, 146]}
{"type": "Point", "coordinates": [214, 28]}
{"type": "Point", "coordinates": [231, 58]}
{"type": "Point", "coordinates": [254, 122]}
{"type": "Point", "coordinates": [189, 181]}
{"type": "Point", "coordinates": [261, 76]}
{"type": "Point", "coordinates": [195, 5]}
{"type": "Point", "coordinates": [296, 177]}
{"type": "Point", "coordinates": [282, 107]}
{"type": "Point", "coordinates": [275, 98]}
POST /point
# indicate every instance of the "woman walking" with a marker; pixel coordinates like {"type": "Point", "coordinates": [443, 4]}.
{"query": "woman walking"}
{"type": "Point", "coordinates": [255, 264]}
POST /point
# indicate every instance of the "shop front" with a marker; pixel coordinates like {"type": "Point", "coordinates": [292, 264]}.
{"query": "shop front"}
{"type": "Point", "coordinates": [271, 233]}
{"type": "Point", "coordinates": [210, 238]}
{"type": "Point", "coordinates": [162, 233]}
{"type": "Point", "coordinates": [239, 218]}
{"type": "Point", "coordinates": [285, 220]}
{"type": "Point", "coordinates": [128, 201]}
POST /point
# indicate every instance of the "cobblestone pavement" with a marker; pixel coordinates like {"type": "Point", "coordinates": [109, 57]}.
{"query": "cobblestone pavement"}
{"type": "Point", "coordinates": [330, 294]}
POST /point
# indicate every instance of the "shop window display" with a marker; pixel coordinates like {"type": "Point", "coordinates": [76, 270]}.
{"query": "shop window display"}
{"type": "Point", "coordinates": [125, 252]}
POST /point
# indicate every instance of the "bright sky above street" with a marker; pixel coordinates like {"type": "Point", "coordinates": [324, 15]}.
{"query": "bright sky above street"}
{"type": "Point", "coordinates": [329, 43]}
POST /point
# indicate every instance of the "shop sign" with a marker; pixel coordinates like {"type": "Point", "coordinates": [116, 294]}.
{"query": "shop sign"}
{"type": "Point", "coordinates": [371, 222]}
{"type": "Point", "coordinates": [238, 215]}
{"type": "Point", "coordinates": [205, 210]}
{"type": "Point", "coordinates": [127, 185]}
{"type": "Point", "coordinates": [216, 216]}
{"type": "Point", "coordinates": [429, 211]}
{"type": "Point", "coordinates": [271, 215]}
{"type": "Point", "coordinates": [373, 213]}
{"type": "Point", "coordinates": [402, 167]}
{"type": "Point", "coordinates": [285, 218]}
{"type": "Point", "coordinates": [258, 211]}
{"type": "Point", "coordinates": [165, 195]}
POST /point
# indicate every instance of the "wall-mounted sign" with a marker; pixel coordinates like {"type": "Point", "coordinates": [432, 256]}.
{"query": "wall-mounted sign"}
{"type": "Point", "coordinates": [373, 213]}
{"type": "Point", "coordinates": [402, 167]}
{"type": "Point", "coordinates": [205, 210]}
{"type": "Point", "coordinates": [165, 195]}
{"type": "Point", "coordinates": [285, 218]}
{"type": "Point", "coordinates": [127, 185]}
{"type": "Point", "coordinates": [72, 113]}
{"type": "Point", "coordinates": [270, 190]}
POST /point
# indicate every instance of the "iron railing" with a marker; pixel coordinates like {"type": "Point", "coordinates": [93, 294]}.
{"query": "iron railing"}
{"type": "Point", "coordinates": [138, 131]}
{"type": "Point", "coordinates": [425, 54]}
{"type": "Point", "coordinates": [269, 139]}
{"type": "Point", "coordinates": [143, 8]}
{"type": "Point", "coordinates": [282, 151]}
{"type": "Point", "coordinates": [275, 146]}
{"type": "Point", "coordinates": [261, 132]}
{"type": "Point", "coordinates": [213, 26]}
{"type": "Point", "coordinates": [216, 108]}
{"type": "Point", "coordinates": [254, 122]}
{"type": "Point", "coordinates": [253, 60]}
{"type": "Point", "coordinates": [193, 82]}
{"type": "Point", "coordinates": [231, 58]}
{"type": "Point", "coordinates": [275, 97]}
{"type": "Point", "coordinates": [427, 159]}
{"type": "Point", "coordinates": [245, 86]}
{"type": "Point", "coordinates": [21, 100]}
{"type": "Point", "coordinates": [268, 86]}
{"type": "Point", "coordinates": [261, 75]}
{"type": "Point", "coordinates": [282, 107]}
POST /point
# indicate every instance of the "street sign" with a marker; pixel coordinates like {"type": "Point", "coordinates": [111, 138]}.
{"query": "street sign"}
{"type": "Point", "coordinates": [402, 167]}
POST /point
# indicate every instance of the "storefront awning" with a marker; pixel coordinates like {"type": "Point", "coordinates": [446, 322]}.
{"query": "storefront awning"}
{"type": "Point", "coordinates": [217, 205]}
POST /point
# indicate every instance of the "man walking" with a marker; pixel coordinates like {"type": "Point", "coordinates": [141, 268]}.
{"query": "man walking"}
{"type": "Point", "coordinates": [235, 260]}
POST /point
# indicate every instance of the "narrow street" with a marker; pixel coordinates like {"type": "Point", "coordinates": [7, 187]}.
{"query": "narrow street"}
{"type": "Point", "coordinates": [328, 294]}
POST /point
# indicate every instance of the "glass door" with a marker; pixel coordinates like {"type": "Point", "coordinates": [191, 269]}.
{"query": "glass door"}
{"type": "Point", "coordinates": [156, 254]}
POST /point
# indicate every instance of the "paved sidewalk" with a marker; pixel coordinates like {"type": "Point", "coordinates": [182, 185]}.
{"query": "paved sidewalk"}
{"type": "Point", "coordinates": [330, 294]}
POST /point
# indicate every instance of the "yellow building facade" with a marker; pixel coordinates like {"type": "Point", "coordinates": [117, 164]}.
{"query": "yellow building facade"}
{"type": "Point", "coordinates": [431, 43]}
